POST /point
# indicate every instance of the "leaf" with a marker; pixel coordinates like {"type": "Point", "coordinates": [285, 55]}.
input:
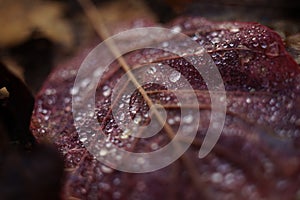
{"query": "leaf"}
{"type": "Point", "coordinates": [257, 156]}
{"type": "Point", "coordinates": [22, 18]}
{"type": "Point", "coordinates": [22, 161]}
{"type": "Point", "coordinates": [16, 107]}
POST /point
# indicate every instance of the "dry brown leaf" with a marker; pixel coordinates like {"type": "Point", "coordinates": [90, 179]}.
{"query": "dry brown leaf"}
{"type": "Point", "coordinates": [4, 93]}
{"type": "Point", "coordinates": [121, 12]}
{"type": "Point", "coordinates": [23, 17]}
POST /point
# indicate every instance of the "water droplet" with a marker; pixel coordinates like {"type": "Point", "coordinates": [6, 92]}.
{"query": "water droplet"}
{"type": "Point", "coordinates": [137, 119]}
{"type": "Point", "coordinates": [222, 99]}
{"type": "Point", "coordinates": [165, 44]}
{"type": "Point", "coordinates": [106, 91]}
{"type": "Point", "coordinates": [171, 121]}
{"type": "Point", "coordinates": [216, 177]}
{"type": "Point", "coordinates": [174, 76]}
{"type": "Point", "coordinates": [214, 34]}
{"type": "Point", "coordinates": [188, 119]}
{"type": "Point", "coordinates": [108, 145]}
{"type": "Point", "coordinates": [116, 181]}
{"type": "Point", "coordinates": [263, 45]}
{"type": "Point", "coordinates": [74, 90]}
{"type": "Point", "coordinates": [78, 118]}
{"type": "Point", "coordinates": [85, 82]}
{"type": "Point", "coordinates": [50, 91]}
{"type": "Point", "coordinates": [229, 179]}
{"type": "Point", "coordinates": [122, 116]}
{"type": "Point", "coordinates": [42, 131]}
{"type": "Point", "coordinates": [109, 130]}
{"type": "Point", "coordinates": [248, 100]}
{"type": "Point", "coordinates": [177, 118]}
{"type": "Point", "coordinates": [83, 139]}
{"type": "Point", "coordinates": [234, 29]}
{"type": "Point", "coordinates": [215, 40]}
{"type": "Point", "coordinates": [106, 169]}
{"type": "Point", "coordinates": [123, 136]}
{"type": "Point", "coordinates": [151, 70]}
{"type": "Point", "coordinates": [83, 191]}
{"type": "Point", "coordinates": [103, 152]}
{"type": "Point", "coordinates": [126, 133]}
{"type": "Point", "coordinates": [176, 29]}
{"type": "Point", "coordinates": [154, 146]}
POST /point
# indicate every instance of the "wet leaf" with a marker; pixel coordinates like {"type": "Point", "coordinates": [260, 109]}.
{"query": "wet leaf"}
{"type": "Point", "coordinates": [257, 155]}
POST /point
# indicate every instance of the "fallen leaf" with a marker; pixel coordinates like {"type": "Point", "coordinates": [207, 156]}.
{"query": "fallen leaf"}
{"type": "Point", "coordinates": [23, 18]}
{"type": "Point", "coordinates": [257, 155]}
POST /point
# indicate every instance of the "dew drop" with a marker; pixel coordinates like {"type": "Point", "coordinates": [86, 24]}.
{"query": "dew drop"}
{"type": "Point", "coordinates": [264, 45]}
{"type": "Point", "coordinates": [171, 121]}
{"type": "Point", "coordinates": [83, 139]}
{"type": "Point", "coordinates": [215, 40]}
{"type": "Point", "coordinates": [124, 136]}
{"type": "Point", "coordinates": [229, 179]}
{"type": "Point", "coordinates": [85, 82]}
{"type": "Point", "coordinates": [103, 152]}
{"type": "Point", "coordinates": [50, 91]}
{"type": "Point", "coordinates": [214, 34]}
{"type": "Point", "coordinates": [109, 130]}
{"type": "Point", "coordinates": [106, 169]}
{"type": "Point", "coordinates": [74, 90]}
{"type": "Point", "coordinates": [174, 76]}
{"type": "Point", "coordinates": [106, 91]}
{"type": "Point", "coordinates": [108, 145]}
{"type": "Point", "coordinates": [126, 133]}
{"type": "Point", "coordinates": [116, 181]}
{"type": "Point", "coordinates": [234, 30]}
{"type": "Point", "coordinates": [177, 118]}
{"type": "Point", "coordinates": [248, 100]}
{"type": "Point", "coordinates": [176, 29]}
{"type": "Point", "coordinates": [122, 116]}
{"type": "Point", "coordinates": [216, 177]}
{"type": "Point", "coordinates": [165, 44]}
{"type": "Point", "coordinates": [188, 119]}
{"type": "Point", "coordinates": [151, 70]}
{"type": "Point", "coordinates": [154, 146]}
{"type": "Point", "coordinates": [137, 119]}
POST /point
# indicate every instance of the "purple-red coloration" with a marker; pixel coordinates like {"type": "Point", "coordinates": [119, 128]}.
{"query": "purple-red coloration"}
{"type": "Point", "coordinates": [257, 155]}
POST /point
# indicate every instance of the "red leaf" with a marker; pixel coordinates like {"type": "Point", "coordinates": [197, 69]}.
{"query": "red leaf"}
{"type": "Point", "coordinates": [257, 155]}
